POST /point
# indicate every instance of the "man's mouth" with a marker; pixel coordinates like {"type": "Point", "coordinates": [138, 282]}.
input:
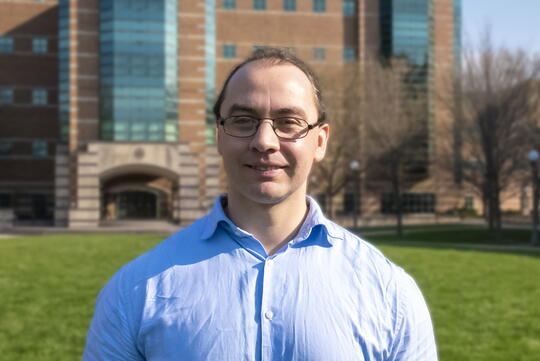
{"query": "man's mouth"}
{"type": "Point", "coordinates": [264, 168]}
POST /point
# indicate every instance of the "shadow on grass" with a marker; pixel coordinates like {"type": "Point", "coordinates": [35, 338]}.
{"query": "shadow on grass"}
{"type": "Point", "coordinates": [468, 238]}
{"type": "Point", "coordinates": [507, 249]}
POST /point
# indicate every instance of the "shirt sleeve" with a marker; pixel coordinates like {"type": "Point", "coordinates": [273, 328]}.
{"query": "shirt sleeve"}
{"type": "Point", "coordinates": [413, 339]}
{"type": "Point", "coordinates": [110, 336]}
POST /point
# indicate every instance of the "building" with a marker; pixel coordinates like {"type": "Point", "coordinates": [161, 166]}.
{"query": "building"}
{"type": "Point", "coordinates": [108, 102]}
{"type": "Point", "coordinates": [28, 108]}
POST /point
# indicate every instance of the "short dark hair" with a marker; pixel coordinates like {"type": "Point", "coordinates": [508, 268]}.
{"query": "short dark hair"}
{"type": "Point", "coordinates": [276, 56]}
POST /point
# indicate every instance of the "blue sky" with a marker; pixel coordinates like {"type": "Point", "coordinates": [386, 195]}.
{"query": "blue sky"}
{"type": "Point", "coordinates": [514, 23]}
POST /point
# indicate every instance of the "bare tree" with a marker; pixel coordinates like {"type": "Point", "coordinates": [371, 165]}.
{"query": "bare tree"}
{"type": "Point", "coordinates": [497, 101]}
{"type": "Point", "coordinates": [393, 110]}
{"type": "Point", "coordinates": [379, 118]}
{"type": "Point", "coordinates": [341, 94]}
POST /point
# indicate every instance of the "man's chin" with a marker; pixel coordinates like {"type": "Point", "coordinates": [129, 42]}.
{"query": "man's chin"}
{"type": "Point", "coordinates": [266, 195]}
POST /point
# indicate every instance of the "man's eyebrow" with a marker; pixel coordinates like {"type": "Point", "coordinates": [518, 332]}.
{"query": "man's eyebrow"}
{"type": "Point", "coordinates": [294, 111]}
{"type": "Point", "coordinates": [290, 111]}
{"type": "Point", "coordinates": [241, 108]}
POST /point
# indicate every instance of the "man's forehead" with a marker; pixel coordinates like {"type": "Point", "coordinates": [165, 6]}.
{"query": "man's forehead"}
{"type": "Point", "coordinates": [253, 68]}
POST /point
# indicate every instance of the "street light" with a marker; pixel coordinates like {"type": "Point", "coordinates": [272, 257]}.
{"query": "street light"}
{"type": "Point", "coordinates": [533, 159]}
{"type": "Point", "coordinates": [355, 166]}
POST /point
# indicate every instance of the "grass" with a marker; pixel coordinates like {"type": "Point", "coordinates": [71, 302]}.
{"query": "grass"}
{"type": "Point", "coordinates": [454, 234]}
{"type": "Point", "coordinates": [49, 285]}
{"type": "Point", "coordinates": [485, 304]}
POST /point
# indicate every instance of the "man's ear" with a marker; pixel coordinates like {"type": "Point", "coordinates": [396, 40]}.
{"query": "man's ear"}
{"type": "Point", "coordinates": [322, 141]}
{"type": "Point", "coordinates": [218, 139]}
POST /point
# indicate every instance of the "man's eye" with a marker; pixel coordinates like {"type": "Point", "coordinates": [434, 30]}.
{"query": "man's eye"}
{"type": "Point", "coordinates": [242, 120]}
{"type": "Point", "coordinates": [289, 123]}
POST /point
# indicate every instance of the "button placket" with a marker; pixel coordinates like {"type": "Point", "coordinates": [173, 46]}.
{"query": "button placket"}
{"type": "Point", "coordinates": [266, 313]}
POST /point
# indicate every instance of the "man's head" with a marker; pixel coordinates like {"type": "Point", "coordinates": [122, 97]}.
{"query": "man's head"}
{"type": "Point", "coordinates": [275, 56]}
{"type": "Point", "coordinates": [264, 166]}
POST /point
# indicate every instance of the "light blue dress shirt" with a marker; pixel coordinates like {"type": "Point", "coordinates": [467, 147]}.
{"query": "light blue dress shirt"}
{"type": "Point", "coordinates": [211, 292]}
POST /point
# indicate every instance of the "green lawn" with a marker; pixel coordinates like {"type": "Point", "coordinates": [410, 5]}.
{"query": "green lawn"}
{"type": "Point", "coordinates": [485, 304]}
{"type": "Point", "coordinates": [449, 234]}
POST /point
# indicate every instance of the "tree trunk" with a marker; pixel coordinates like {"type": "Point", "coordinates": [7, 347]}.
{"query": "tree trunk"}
{"type": "Point", "coordinates": [497, 222]}
{"type": "Point", "coordinates": [493, 195]}
{"type": "Point", "coordinates": [329, 204]}
{"type": "Point", "coordinates": [397, 198]}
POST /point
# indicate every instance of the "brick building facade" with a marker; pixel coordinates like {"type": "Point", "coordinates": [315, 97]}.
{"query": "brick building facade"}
{"type": "Point", "coordinates": [105, 105]}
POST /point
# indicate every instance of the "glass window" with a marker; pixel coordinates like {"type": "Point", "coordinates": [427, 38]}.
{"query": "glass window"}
{"type": "Point", "coordinates": [289, 5]}
{"type": "Point", "coordinates": [5, 147]}
{"type": "Point", "coordinates": [6, 96]}
{"type": "Point", "coordinates": [319, 54]}
{"type": "Point", "coordinates": [349, 7]}
{"type": "Point", "coordinates": [40, 45]}
{"type": "Point", "coordinates": [136, 89]}
{"type": "Point", "coordinates": [319, 6]}
{"type": "Point", "coordinates": [229, 51]}
{"type": "Point", "coordinates": [6, 44]}
{"type": "Point", "coordinates": [40, 148]}
{"type": "Point", "coordinates": [5, 200]}
{"type": "Point", "coordinates": [229, 4]}
{"type": "Point", "coordinates": [349, 54]}
{"type": "Point", "coordinates": [349, 205]}
{"type": "Point", "coordinates": [259, 4]}
{"type": "Point", "coordinates": [39, 97]}
{"type": "Point", "coordinates": [469, 202]}
{"type": "Point", "coordinates": [410, 203]}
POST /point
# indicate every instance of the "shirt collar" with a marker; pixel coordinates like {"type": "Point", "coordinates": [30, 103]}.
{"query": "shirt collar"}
{"type": "Point", "coordinates": [217, 216]}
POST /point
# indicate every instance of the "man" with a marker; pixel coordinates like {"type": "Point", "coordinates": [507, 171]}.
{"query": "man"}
{"type": "Point", "coordinates": [264, 276]}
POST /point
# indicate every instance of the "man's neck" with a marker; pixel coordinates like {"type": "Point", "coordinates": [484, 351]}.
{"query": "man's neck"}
{"type": "Point", "coordinates": [272, 224]}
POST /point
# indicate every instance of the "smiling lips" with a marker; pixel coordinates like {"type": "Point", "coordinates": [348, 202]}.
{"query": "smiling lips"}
{"type": "Point", "coordinates": [265, 169]}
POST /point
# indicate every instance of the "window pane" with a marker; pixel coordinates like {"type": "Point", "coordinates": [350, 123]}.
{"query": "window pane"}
{"type": "Point", "coordinates": [291, 50]}
{"type": "Point", "coordinates": [39, 97]}
{"type": "Point", "coordinates": [229, 4]}
{"type": "Point", "coordinates": [6, 44]}
{"type": "Point", "coordinates": [6, 96]}
{"type": "Point", "coordinates": [289, 5]}
{"type": "Point", "coordinates": [39, 45]}
{"type": "Point", "coordinates": [319, 53]}
{"type": "Point", "coordinates": [5, 147]}
{"type": "Point", "coordinates": [349, 54]}
{"type": "Point", "coordinates": [39, 148]}
{"type": "Point", "coordinates": [349, 7]}
{"type": "Point", "coordinates": [319, 6]}
{"type": "Point", "coordinates": [229, 51]}
{"type": "Point", "coordinates": [469, 202]}
{"type": "Point", "coordinates": [259, 4]}
{"type": "Point", "coordinates": [410, 203]}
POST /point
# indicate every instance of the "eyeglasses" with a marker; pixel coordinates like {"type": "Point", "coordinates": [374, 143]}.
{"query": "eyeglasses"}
{"type": "Point", "coordinates": [245, 126]}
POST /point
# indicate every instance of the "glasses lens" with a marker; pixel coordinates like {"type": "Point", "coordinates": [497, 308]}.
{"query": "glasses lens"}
{"type": "Point", "coordinates": [290, 128]}
{"type": "Point", "coordinates": [241, 126]}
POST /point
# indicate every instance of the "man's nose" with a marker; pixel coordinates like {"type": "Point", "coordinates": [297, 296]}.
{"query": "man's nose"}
{"type": "Point", "coordinates": [265, 139]}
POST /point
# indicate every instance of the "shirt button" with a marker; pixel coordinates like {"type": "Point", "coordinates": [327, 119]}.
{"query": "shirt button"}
{"type": "Point", "coordinates": [270, 261]}
{"type": "Point", "coordinates": [269, 315]}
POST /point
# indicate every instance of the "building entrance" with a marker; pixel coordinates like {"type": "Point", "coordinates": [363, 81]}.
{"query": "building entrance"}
{"type": "Point", "coordinates": [137, 205]}
{"type": "Point", "coordinates": [137, 196]}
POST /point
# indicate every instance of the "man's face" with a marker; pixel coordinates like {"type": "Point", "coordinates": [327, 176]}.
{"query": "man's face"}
{"type": "Point", "coordinates": [264, 168]}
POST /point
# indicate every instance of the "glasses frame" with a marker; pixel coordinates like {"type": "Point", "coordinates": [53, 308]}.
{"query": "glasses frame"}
{"type": "Point", "coordinates": [259, 122]}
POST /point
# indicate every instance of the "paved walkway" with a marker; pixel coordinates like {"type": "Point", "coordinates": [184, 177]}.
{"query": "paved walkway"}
{"type": "Point", "coordinates": [152, 227]}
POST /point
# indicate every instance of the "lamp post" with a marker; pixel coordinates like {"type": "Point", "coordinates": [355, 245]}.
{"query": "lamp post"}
{"type": "Point", "coordinates": [533, 159]}
{"type": "Point", "coordinates": [354, 166]}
